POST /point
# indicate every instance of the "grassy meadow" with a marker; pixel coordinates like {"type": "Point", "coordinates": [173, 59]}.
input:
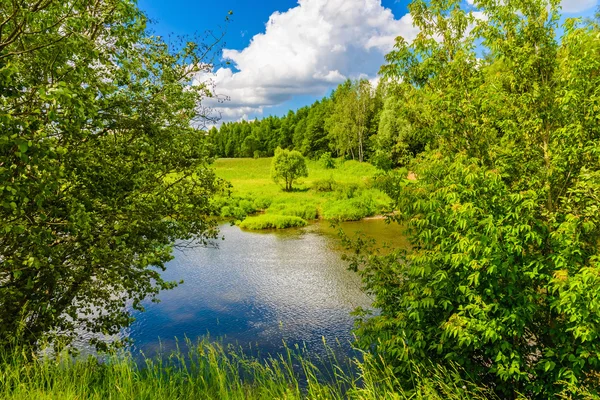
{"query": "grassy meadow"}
{"type": "Point", "coordinates": [345, 193]}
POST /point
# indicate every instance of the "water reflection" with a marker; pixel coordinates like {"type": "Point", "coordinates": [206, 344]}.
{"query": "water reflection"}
{"type": "Point", "coordinates": [260, 289]}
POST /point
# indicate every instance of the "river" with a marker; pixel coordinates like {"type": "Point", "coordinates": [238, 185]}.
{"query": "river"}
{"type": "Point", "coordinates": [259, 289]}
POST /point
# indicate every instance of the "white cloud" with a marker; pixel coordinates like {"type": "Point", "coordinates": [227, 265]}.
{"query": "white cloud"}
{"type": "Point", "coordinates": [575, 6]}
{"type": "Point", "coordinates": [306, 51]}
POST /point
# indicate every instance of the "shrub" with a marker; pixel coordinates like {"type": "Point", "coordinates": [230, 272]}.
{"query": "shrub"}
{"type": "Point", "coordinates": [327, 161]}
{"type": "Point", "coordinates": [503, 277]}
{"type": "Point", "coordinates": [262, 203]}
{"type": "Point", "coordinates": [350, 209]}
{"type": "Point", "coordinates": [347, 191]}
{"type": "Point", "coordinates": [272, 221]}
{"type": "Point", "coordinates": [324, 185]}
{"type": "Point", "coordinates": [247, 206]}
{"type": "Point", "coordinates": [305, 211]}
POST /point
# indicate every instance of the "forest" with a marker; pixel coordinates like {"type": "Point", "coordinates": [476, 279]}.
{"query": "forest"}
{"type": "Point", "coordinates": [479, 141]}
{"type": "Point", "coordinates": [358, 121]}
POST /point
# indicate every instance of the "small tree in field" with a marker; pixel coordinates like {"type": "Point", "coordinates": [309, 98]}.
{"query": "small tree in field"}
{"type": "Point", "coordinates": [288, 166]}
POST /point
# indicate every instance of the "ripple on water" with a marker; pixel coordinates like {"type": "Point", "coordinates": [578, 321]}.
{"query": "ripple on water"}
{"type": "Point", "coordinates": [258, 288]}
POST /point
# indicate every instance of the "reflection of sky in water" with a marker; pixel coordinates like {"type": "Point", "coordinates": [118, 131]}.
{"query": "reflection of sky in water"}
{"type": "Point", "coordinates": [258, 288]}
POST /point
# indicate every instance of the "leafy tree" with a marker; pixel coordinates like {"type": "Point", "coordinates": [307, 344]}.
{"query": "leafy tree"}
{"type": "Point", "coordinates": [503, 277]}
{"type": "Point", "coordinates": [399, 137]}
{"type": "Point", "coordinates": [315, 138]}
{"type": "Point", "coordinates": [287, 166]}
{"type": "Point", "coordinates": [101, 170]}
{"type": "Point", "coordinates": [349, 120]}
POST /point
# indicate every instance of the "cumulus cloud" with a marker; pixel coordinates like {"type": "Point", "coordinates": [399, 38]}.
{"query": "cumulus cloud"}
{"type": "Point", "coordinates": [307, 50]}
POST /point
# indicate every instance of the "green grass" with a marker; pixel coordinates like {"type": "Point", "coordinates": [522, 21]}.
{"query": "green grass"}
{"type": "Point", "coordinates": [211, 371]}
{"type": "Point", "coordinates": [345, 193]}
{"type": "Point", "coordinates": [271, 221]}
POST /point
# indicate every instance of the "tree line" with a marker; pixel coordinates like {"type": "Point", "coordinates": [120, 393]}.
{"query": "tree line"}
{"type": "Point", "coordinates": [356, 122]}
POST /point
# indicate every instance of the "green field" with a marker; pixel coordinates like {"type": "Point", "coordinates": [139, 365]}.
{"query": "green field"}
{"type": "Point", "coordinates": [346, 193]}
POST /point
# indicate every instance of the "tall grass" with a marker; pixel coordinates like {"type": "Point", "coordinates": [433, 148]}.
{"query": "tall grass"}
{"type": "Point", "coordinates": [210, 371]}
{"type": "Point", "coordinates": [272, 221]}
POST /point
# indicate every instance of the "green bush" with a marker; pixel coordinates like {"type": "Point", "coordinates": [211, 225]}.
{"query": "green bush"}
{"type": "Point", "coordinates": [350, 209]}
{"type": "Point", "coordinates": [327, 161]}
{"type": "Point", "coordinates": [503, 277]}
{"type": "Point", "coordinates": [247, 206]}
{"type": "Point", "coordinates": [259, 154]}
{"type": "Point", "coordinates": [347, 191]}
{"type": "Point", "coordinates": [324, 185]}
{"type": "Point", "coordinates": [272, 221]}
{"type": "Point", "coordinates": [262, 203]}
{"type": "Point", "coordinates": [304, 211]}
{"type": "Point", "coordinates": [234, 207]}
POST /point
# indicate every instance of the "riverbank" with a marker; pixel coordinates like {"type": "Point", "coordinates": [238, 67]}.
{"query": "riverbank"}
{"type": "Point", "coordinates": [212, 371]}
{"type": "Point", "coordinates": [348, 192]}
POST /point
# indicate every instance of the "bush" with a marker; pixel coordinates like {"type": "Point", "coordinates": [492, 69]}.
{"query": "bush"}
{"type": "Point", "coordinates": [503, 277]}
{"type": "Point", "coordinates": [305, 211]}
{"type": "Point", "coordinates": [324, 185]}
{"type": "Point", "coordinates": [262, 203]}
{"type": "Point", "coordinates": [347, 191]}
{"type": "Point", "coordinates": [327, 161]}
{"type": "Point", "coordinates": [233, 207]}
{"type": "Point", "coordinates": [350, 209]}
{"type": "Point", "coordinates": [247, 206]}
{"type": "Point", "coordinates": [272, 221]}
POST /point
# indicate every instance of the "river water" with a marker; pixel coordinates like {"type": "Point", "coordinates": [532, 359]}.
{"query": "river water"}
{"type": "Point", "coordinates": [261, 289]}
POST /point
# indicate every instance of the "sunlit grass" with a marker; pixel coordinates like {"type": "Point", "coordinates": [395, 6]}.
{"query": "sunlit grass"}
{"type": "Point", "coordinates": [270, 221]}
{"type": "Point", "coordinates": [211, 371]}
{"type": "Point", "coordinates": [352, 195]}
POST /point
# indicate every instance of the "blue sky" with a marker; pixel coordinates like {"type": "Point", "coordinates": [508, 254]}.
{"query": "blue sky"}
{"type": "Point", "coordinates": [285, 54]}
{"type": "Point", "coordinates": [250, 16]}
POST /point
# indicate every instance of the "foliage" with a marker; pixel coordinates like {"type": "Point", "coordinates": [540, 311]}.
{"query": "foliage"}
{"type": "Point", "coordinates": [97, 180]}
{"type": "Point", "coordinates": [250, 181]}
{"type": "Point", "coordinates": [399, 138]}
{"type": "Point", "coordinates": [342, 123]}
{"type": "Point", "coordinates": [213, 371]}
{"type": "Point", "coordinates": [272, 221]}
{"type": "Point", "coordinates": [304, 211]}
{"type": "Point", "coordinates": [502, 278]}
{"type": "Point", "coordinates": [350, 209]}
{"type": "Point", "coordinates": [324, 185]}
{"type": "Point", "coordinates": [353, 108]}
{"type": "Point", "coordinates": [327, 161]}
{"type": "Point", "coordinates": [234, 206]}
{"type": "Point", "coordinates": [287, 166]}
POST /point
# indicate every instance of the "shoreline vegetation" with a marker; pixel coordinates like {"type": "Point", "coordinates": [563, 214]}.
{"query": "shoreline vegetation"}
{"type": "Point", "coordinates": [211, 370]}
{"type": "Point", "coordinates": [350, 191]}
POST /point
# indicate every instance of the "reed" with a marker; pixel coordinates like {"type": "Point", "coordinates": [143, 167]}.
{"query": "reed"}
{"type": "Point", "coordinates": [209, 370]}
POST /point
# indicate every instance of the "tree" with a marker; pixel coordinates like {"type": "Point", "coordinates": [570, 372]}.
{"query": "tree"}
{"type": "Point", "coordinates": [503, 277]}
{"type": "Point", "coordinates": [101, 166]}
{"type": "Point", "coordinates": [287, 166]}
{"type": "Point", "coordinates": [349, 120]}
